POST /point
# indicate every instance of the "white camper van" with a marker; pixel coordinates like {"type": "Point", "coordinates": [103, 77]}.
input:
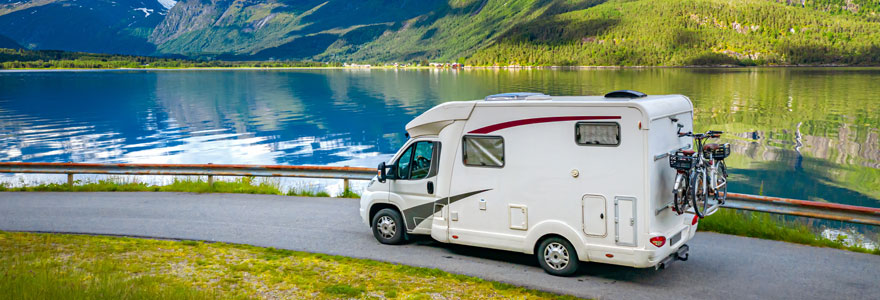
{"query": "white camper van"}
{"type": "Point", "coordinates": [569, 179]}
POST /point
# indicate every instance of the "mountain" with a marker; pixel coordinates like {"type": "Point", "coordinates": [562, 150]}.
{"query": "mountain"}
{"type": "Point", "coordinates": [6, 42]}
{"type": "Point", "coordinates": [102, 26]}
{"type": "Point", "coordinates": [482, 32]}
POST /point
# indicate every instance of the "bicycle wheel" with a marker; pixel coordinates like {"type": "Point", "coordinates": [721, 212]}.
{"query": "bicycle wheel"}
{"type": "Point", "coordinates": [680, 196]}
{"type": "Point", "coordinates": [698, 193]}
{"type": "Point", "coordinates": [721, 179]}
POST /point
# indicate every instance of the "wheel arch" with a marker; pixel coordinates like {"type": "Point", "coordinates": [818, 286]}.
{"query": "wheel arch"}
{"type": "Point", "coordinates": [376, 207]}
{"type": "Point", "coordinates": [548, 229]}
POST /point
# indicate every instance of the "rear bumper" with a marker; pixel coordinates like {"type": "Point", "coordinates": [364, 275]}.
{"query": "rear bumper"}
{"type": "Point", "coordinates": [668, 253]}
{"type": "Point", "coordinates": [647, 257]}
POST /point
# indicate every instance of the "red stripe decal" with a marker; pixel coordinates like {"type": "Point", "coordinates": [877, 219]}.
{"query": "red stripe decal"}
{"type": "Point", "coordinates": [499, 126]}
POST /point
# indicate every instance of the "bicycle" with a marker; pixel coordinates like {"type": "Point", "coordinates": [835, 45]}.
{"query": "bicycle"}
{"type": "Point", "coordinates": [699, 172]}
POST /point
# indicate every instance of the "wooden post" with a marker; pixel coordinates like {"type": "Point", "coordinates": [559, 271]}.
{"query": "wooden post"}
{"type": "Point", "coordinates": [345, 186]}
{"type": "Point", "coordinates": [211, 180]}
{"type": "Point", "coordinates": [70, 181]}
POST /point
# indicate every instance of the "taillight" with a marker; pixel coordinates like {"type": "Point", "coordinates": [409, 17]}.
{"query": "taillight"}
{"type": "Point", "coordinates": [658, 241]}
{"type": "Point", "coordinates": [694, 222]}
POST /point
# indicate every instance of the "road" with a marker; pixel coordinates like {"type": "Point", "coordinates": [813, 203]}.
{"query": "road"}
{"type": "Point", "coordinates": [720, 266]}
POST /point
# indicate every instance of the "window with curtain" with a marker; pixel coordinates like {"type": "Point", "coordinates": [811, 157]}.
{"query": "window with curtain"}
{"type": "Point", "coordinates": [597, 133]}
{"type": "Point", "coordinates": [483, 151]}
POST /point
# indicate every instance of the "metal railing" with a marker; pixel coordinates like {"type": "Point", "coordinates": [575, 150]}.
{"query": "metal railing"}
{"type": "Point", "coordinates": [209, 170]}
{"type": "Point", "coordinates": [812, 209]}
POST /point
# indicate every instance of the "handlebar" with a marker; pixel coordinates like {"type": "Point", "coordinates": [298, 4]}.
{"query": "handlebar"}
{"type": "Point", "coordinates": [709, 134]}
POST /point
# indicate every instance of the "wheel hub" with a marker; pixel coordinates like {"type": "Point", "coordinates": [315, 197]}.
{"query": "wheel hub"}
{"type": "Point", "coordinates": [556, 256]}
{"type": "Point", "coordinates": [386, 227]}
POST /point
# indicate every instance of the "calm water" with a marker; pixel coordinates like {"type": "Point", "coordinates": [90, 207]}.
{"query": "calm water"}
{"type": "Point", "coordinates": [799, 133]}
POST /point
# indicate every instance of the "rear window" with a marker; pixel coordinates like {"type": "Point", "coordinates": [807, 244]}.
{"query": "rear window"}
{"type": "Point", "coordinates": [597, 133]}
{"type": "Point", "coordinates": [483, 151]}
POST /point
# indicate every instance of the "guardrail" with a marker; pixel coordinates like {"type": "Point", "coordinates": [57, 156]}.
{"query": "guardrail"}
{"type": "Point", "coordinates": [812, 209]}
{"type": "Point", "coordinates": [210, 170]}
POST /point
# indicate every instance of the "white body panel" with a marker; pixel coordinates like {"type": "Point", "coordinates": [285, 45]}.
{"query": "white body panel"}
{"type": "Point", "coordinates": [607, 200]}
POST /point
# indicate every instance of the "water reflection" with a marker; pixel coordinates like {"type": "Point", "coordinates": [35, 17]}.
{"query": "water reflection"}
{"type": "Point", "coordinates": [800, 133]}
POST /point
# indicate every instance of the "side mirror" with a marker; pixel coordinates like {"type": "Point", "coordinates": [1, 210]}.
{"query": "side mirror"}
{"type": "Point", "coordinates": [382, 175]}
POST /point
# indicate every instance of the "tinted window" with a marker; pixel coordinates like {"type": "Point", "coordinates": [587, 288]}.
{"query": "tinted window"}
{"type": "Point", "coordinates": [403, 164]}
{"type": "Point", "coordinates": [483, 151]}
{"type": "Point", "coordinates": [592, 133]}
{"type": "Point", "coordinates": [421, 163]}
{"type": "Point", "coordinates": [415, 162]}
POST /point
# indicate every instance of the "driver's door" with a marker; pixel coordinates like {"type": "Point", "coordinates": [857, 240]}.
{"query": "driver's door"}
{"type": "Point", "coordinates": [414, 184]}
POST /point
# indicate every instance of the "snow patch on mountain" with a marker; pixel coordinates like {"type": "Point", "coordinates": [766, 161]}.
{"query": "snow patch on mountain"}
{"type": "Point", "coordinates": [168, 4]}
{"type": "Point", "coordinates": [145, 10]}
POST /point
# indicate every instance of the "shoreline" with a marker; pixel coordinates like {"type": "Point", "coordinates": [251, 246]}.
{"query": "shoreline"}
{"type": "Point", "coordinates": [442, 68]}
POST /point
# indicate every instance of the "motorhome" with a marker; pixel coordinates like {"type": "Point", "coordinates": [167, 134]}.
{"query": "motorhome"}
{"type": "Point", "coordinates": [568, 178]}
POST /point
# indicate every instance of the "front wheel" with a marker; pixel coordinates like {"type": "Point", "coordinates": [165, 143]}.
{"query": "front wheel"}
{"type": "Point", "coordinates": [557, 256]}
{"type": "Point", "coordinates": [698, 193]}
{"type": "Point", "coordinates": [388, 227]}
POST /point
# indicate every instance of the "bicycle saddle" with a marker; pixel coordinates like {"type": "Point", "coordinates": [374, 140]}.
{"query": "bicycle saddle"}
{"type": "Point", "coordinates": [687, 152]}
{"type": "Point", "coordinates": [711, 146]}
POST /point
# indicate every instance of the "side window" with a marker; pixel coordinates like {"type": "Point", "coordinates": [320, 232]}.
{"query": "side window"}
{"type": "Point", "coordinates": [483, 151]}
{"type": "Point", "coordinates": [421, 163]}
{"type": "Point", "coordinates": [597, 133]}
{"type": "Point", "coordinates": [403, 163]}
{"type": "Point", "coordinates": [415, 162]}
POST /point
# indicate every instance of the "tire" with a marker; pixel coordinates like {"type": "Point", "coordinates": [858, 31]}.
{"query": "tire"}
{"type": "Point", "coordinates": [388, 227]}
{"type": "Point", "coordinates": [698, 193]}
{"type": "Point", "coordinates": [680, 197]}
{"type": "Point", "coordinates": [721, 194]}
{"type": "Point", "coordinates": [557, 256]}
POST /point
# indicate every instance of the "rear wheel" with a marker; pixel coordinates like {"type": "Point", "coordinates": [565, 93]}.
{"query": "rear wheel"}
{"type": "Point", "coordinates": [721, 179]}
{"type": "Point", "coordinates": [388, 227]}
{"type": "Point", "coordinates": [557, 256]}
{"type": "Point", "coordinates": [698, 193]}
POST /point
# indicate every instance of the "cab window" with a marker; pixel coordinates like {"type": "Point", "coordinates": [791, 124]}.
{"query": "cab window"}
{"type": "Point", "coordinates": [402, 168]}
{"type": "Point", "coordinates": [415, 162]}
{"type": "Point", "coordinates": [421, 163]}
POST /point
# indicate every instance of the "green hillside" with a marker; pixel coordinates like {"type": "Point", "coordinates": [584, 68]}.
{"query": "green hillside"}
{"type": "Point", "coordinates": [692, 32]}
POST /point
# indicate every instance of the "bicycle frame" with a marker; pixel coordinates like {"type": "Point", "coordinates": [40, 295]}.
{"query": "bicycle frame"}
{"type": "Point", "coordinates": [708, 166]}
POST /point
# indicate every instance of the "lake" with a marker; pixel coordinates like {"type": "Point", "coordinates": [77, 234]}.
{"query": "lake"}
{"type": "Point", "coordinates": [805, 133]}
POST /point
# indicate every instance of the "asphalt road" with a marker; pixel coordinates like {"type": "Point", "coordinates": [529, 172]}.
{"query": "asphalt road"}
{"type": "Point", "coordinates": [720, 266]}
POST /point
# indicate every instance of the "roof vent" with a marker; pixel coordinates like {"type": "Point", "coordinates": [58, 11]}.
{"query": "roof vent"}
{"type": "Point", "coordinates": [625, 94]}
{"type": "Point", "coordinates": [517, 96]}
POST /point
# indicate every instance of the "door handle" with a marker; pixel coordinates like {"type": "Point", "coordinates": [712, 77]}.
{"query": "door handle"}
{"type": "Point", "coordinates": [601, 216]}
{"type": "Point", "coordinates": [430, 187]}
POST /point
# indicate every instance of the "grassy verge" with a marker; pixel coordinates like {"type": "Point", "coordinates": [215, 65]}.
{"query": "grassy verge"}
{"type": "Point", "coordinates": [767, 226]}
{"type": "Point", "coordinates": [55, 266]}
{"type": "Point", "coordinates": [242, 185]}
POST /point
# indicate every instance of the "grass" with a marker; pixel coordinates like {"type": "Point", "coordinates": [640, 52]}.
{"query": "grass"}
{"type": "Point", "coordinates": [241, 185]}
{"type": "Point", "coordinates": [770, 227]}
{"type": "Point", "coordinates": [57, 266]}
